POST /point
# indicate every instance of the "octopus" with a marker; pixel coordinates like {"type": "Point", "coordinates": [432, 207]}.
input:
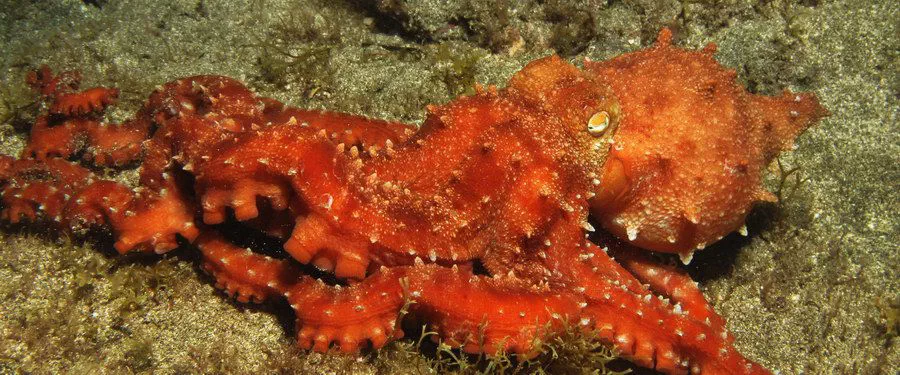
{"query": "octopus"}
{"type": "Point", "coordinates": [477, 223]}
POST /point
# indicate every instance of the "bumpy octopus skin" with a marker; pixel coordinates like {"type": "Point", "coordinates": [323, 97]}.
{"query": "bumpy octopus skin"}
{"type": "Point", "coordinates": [475, 223]}
{"type": "Point", "coordinates": [688, 188]}
{"type": "Point", "coordinates": [72, 125]}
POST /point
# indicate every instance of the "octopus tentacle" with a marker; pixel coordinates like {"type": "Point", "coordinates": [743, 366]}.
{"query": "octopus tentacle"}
{"type": "Point", "coordinates": [207, 110]}
{"type": "Point", "coordinates": [503, 314]}
{"type": "Point", "coordinates": [71, 197]}
{"type": "Point", "coordinates": [176, 108]}
{"type": "Point", "coordinates": [348, 317]}
{"type": "Point", "coordinates": [84, 102]}
{"type": "Point", "coordinates": [150, 222]}
{"type": "Point", "coordinates": [317, 242]}
{"type": "Point", "coordinates": [313, 174]}
{"type": "Point", "coordinates": [32, 188]}
{"type": "Point", "coordinates": [652, 334]}
{"type": "Point", "coordinates": [105, 144]}
{"type": "Point", "coordinates": [72, 124]}
{"type": "Point", "coordinates": [242, 198]}
{"type": "Point", "coordinates": [57, 141]}
{"type": "Point", "coordinates": [351, 130]}
{"type": "Point", "coordinates": [641, 325]}
{"type": "Point", "coordinates": [345, 317]}
{"type": "Point", "coordinates": [47, 84]}
{"type": "Point", "coordinates": [243, 274]}
{"type": "Point", "coordinates": [668, 281]}
{"type": "Point", "coordinates": [647, 328]}
{"type": "Point", "coordinates": [114, 144]}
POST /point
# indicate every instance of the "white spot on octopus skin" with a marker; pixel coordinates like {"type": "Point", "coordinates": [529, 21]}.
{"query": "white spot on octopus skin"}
{"type": "Point", "coordinates": [329, 200]}
{"type": "Point", "coordinates": [686, 257]}
{"type": "Point", "coordinates": [587, 226]}
{"type": "Point", "coordinates": [632, 233]}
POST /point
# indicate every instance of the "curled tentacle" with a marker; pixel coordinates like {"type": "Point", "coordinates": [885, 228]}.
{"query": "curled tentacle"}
{"type": "Point", "coordinates": [668, 281]}
{"type": "Point", "coordinates": [71, 197]}
{"type": "Point", "coordinates": [48, 141]}
{"type": "Point", "coordinates": [146, 222]}
{"type": "Point", "coordinates": [503, 314]}
{"type": "Point", "coordinates": [344, 317]}
{"type": "Point", "coordinates": [84, 102]}
{"type": "Point", "coordinates": [185, 120]}
{"type": "Point", "coordinates": [34, 189]}
{"type": "Point", "coordinates": [104, 144]}
{"type": "Point", "coordinates": [645, 327]}
{"type": "Point", "coordinates": [243, 274]}
{"type": "Point", "coordinates": [349, 317]}
{"type": "Point", "coordinates": [72, 124]}
{"type": "Point", "coordinates": [48, 84]}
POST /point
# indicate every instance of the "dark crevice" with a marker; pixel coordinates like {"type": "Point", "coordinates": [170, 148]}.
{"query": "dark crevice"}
{"type": "Point", "coordinates": [389, 22]}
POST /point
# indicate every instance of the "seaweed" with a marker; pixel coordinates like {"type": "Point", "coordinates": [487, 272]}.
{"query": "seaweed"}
{"type": "Point", "coordinates": [295, 54]}
{"type": "Point", "coordinates": [16, 112]}
{"type": "Point", "coordinates": [571, 351]}
{"type": "Point", "coordinates": [574, 27]}
{"type": "Point", "coordinates": [56, 328]}
{"type": "Point", "coordinates": [456, 66]}
{"type": "Point", "coordinates": [138, 355]}
{"type": "Point", "coordinates": [790, 179]}
{"type": "Point", "coordinates": [490, 24]}
{"type": "Point", "coordinates": [487, 24]}
{"type": "Point", "coordinates": [890, 316]}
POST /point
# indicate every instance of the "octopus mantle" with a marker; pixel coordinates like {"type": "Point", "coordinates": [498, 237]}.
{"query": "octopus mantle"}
{"type": "Point", "coordinates": [475, 221]}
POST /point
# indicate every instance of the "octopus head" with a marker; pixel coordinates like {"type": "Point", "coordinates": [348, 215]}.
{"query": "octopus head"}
{"type": "Point", "coordinates": [685, 165]}
{"type": "Point", "coordinates": [586, 107]}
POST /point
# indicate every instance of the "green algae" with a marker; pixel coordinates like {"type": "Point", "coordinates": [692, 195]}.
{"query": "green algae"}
{"type": "Point", "coordinates": [813, 289]}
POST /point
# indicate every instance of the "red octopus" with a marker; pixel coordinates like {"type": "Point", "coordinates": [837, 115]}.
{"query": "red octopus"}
{"type": "Point", "coordinates": [475, 222]}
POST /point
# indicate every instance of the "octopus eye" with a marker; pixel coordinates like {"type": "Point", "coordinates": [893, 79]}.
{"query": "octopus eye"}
{"type": "Point", "coordinates": [598, 123]}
